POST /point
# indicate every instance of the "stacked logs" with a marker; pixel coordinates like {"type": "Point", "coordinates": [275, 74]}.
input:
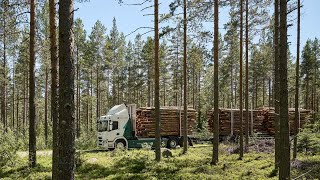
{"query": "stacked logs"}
{"type": "Point", "coordinates": [269, 114]}
{"type": "Point", "coordinates": [225, 124]}
{"type": "Point", "coordinates": [263, 120]}
{"type": "Point", "coordinates": [171, 121]}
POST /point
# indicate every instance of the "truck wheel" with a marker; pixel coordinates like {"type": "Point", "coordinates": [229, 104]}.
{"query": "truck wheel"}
{"type": "Point", "coordinates": [172, 143]}
{"type": "Point", "coordinates": [120, 144]}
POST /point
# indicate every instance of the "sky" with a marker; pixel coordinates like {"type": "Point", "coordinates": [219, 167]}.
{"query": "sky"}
{"type": "Point", "coordinates": [130, 17]}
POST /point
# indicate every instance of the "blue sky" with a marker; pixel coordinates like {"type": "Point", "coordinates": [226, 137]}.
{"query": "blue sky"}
{"type": "Point", "coordinates": [130, 18]}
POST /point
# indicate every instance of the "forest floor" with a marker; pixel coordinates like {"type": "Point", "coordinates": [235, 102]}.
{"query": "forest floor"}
{"type": "Point", "coordinates": [140, 164]}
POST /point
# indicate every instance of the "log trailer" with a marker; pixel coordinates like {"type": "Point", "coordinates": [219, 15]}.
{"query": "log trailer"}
{"type": "Point", "coordinates": [117, 129]}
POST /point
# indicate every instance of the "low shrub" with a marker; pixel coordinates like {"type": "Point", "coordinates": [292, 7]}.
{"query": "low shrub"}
{"type": "Point", "coordinates": [9, 145]}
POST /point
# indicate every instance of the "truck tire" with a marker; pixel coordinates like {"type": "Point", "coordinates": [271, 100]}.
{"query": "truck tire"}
{"type": "Point", "coordinates": [172, 143]}
{"type": "Point", "coordinates": [120, 144]}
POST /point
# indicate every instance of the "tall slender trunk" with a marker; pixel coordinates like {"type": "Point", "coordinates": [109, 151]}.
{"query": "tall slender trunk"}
{"type": "Point", "coordinates": [240, 83]}
{"type": "Point", "coordinates": [78, 101]}
{"type": "Point", "coordinates": [269, 94]}
{"type": "Point", "coordinates": [247, 78]}
{"type": "Point", "coordinates": [149, 86]}
{"type": "Point", "coordinates": [91, 97]}
{"type": "Point", "coordinates": [193, 86]}
{"type": "Point", "coordinates": [88, 107]}
{"type": "Point", "coordinates": [17, 115]}
{"type": "Point", "coordinates": [215, 152]}
{"type": "Point", "coordinates": [66, 92]}
{"type": "Point", "coordinates": [284, 168]}
{"type": "Point", "coordinates": [307, 92]}
{"type": "Point", "coordinates": [263, 91]}
{"type": "Point", "coordinates": [156, 79]}
{"type": "Point", "coordinates": [32, 108]}
{"type": "Point", "coordinates": [4, 84]}
{"type": "Point", "coordinates": [256, 91]}
{"type": "Point", "coordinates": [46, 108]}
{"type": "Point", "coordinates": [54, 88]}
{"type": "Point", "coordinates": [231, 89]}
{"type": "Point", "coordinates": [24, 119]}
{"type": "Point", "coordinates": [13, 96]}
{"type": "Point", "coordinates": [276, 85]}
{"type": "Point", "coordinates": [185, 83]}
{"type": "Point", "coordinates": [97, 94]}
{"type": "Point", "coordinates": [296, 104]}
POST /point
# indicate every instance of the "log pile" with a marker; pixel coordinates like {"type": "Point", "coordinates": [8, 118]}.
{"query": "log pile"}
{"type": "Point", "coordinates": [269, 119]}
{"type": "Point", "coordinates": [170, 121]}
{"type": "Point", "coordinates": [263, 120]}
{"type": "Point", "coordinates": [225, 121]}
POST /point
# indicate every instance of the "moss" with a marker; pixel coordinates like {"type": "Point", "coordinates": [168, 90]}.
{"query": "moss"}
{"type": "Point", "coordinates": [140, 164]}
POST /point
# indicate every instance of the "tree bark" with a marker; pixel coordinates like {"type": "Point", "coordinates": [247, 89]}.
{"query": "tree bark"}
{"type": "Point", "coordinates": [240, 83]}
{"type": "Point", "coordinates": [54, 88]}
{"type": "Point", "coordinates": [276, 84]}
{"type": "Point", "coordinates": [32, 112]}
{"type": "Point", "coordinates": [156, 78]}
{"type": "Point", "coordinates": [296, 104]}
{"type": "Point", "coordinates": [66, 163]}
{"type": "Point", "coordinates": [185, 84]}
{"type": "Point", "coordinates": [4, 84]}
{"type": "Point", "coordinates": [215, 153]}
{"type": "Point", "coordinates": [46, 109]}
{"type": "Point", "coordinates": [284, 168]}
{"type": "Point", "coordinates": [247, 78]}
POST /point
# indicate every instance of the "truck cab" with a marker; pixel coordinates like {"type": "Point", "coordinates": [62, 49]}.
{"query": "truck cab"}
{"type": "Point", "coordinates": [112, 127]}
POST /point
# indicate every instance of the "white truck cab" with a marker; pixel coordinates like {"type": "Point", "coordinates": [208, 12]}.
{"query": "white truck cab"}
{"type": "Point", "coordinates": [111, 127]}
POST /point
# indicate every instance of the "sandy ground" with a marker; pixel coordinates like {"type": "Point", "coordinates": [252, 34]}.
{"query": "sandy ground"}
{"type": "Point", "coordinates": [39, 153]}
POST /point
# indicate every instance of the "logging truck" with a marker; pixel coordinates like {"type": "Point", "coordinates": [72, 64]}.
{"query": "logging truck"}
{"type": "Point", "coordinates": [117, 129]}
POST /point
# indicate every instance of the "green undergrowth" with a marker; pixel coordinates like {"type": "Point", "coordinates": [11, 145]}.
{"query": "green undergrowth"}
{"type": "Point", "coordinates": [140, 164]}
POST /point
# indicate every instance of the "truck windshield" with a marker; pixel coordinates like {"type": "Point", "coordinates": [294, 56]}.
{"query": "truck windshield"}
{"type": "Point", "coordinates": [102, 126]}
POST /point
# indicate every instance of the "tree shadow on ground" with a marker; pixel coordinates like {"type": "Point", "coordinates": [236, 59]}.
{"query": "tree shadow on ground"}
{"type": "Point", "coordinates": [309, 169]}
{"type": "Point", "coordinates": [94, 171]}
{"type": "Point", "coordinates": [24, 172]}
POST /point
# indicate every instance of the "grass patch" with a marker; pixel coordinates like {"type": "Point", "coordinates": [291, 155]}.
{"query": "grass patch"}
{"type": "Point", "coordinates": [140, 164]}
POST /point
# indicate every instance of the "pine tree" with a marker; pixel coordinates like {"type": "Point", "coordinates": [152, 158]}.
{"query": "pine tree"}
{"type": "Point", "coordinates": [32, 108]}
{"type": "Point", "coordinates": [215, 156]}
{"type": "Point", "coordinates": [296, 104]}
{"type": "Point", "coordinates": [284, 167]}
{"type": "Point", "coordinates": [156, 80]}
{"type": "Point", "coordinates": [54, 89]}
{"type": "Point", "coordinates": [66, 162]}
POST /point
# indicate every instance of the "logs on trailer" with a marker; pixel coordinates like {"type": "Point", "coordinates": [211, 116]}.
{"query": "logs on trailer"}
{"type": "Point", "coordinates": [171, 121]}
{"type": "Point", "coordinates": [261, 120]}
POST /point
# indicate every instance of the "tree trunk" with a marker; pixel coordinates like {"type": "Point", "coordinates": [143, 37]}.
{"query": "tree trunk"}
{"type": "Point", "coordinates": [32, 112]}
{"type": "Point", "coordinates": [97, 94]}
{"type": "Point", "coordinates": [54, 88]}
{"type": "Point", "coordinates": [284, 168]}
{"type": "Point", "coordinates": [149, 86]}
{"type": "Point", "coordinates": [240, 83]}
{"type": "Point", "coordinates": [4, 84]}
{"type": "Point", "coordinates": [247, 78]}
{"type": "Point", "coordinates": [13, 97]}
{"type": "Point", "coordinates": [91, 97]}
{"type": "Point", "coordinates": [66, 92]}
{"type": "Point", "coordinates": [156, 78]}
{"type": "Point", "coordinates": [276, 85]}
{"type": "Point", "coordinates": [215, 153]}
{"type": "Point", "coordinates": [46, 109]}
{"type": "Point", "coordinates": [296, 104]}
{"type": "Point", "coordinates": [185, 83]}
{"type": "Point", "coordinates": [78, 101]}
{"type": "Point", "coordinates": [24, 120]}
